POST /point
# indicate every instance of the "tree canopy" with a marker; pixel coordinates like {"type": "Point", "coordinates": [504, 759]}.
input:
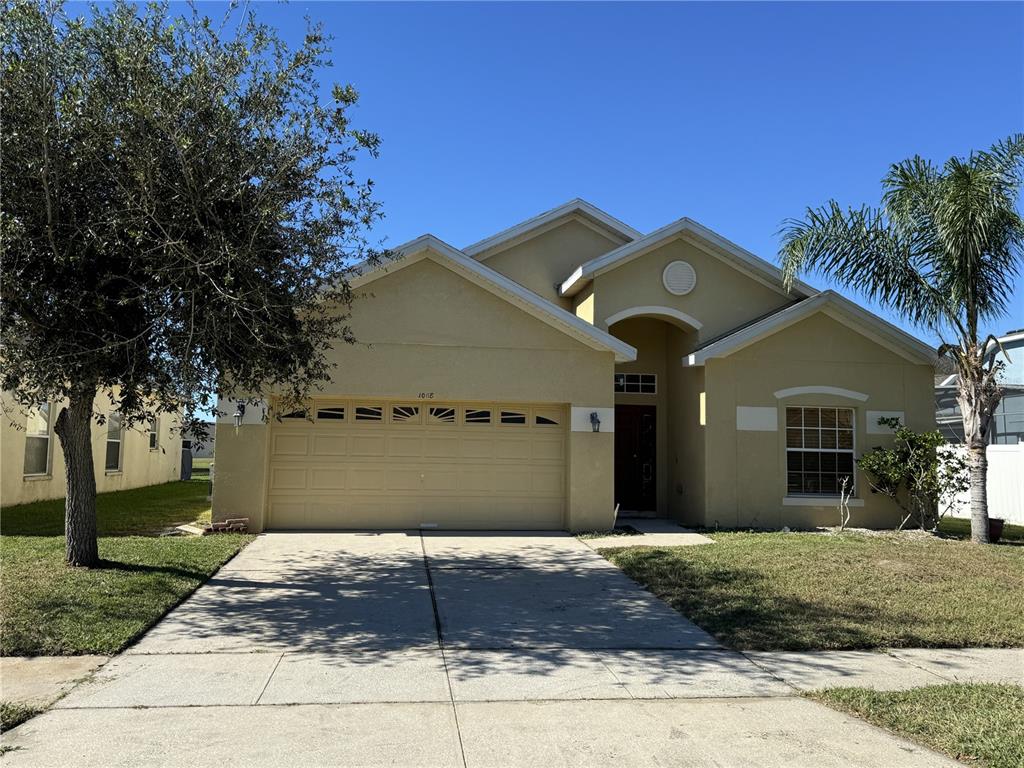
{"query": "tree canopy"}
{"type": "Point", "coordinates": [180, 207]}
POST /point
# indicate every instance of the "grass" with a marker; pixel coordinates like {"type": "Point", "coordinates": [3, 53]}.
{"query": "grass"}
{"type": "Point", "coordinates": [619, 530]}
{"type": "Point", "coordinates": [50, 609]}
{"type": "Point", "coordinates": [119, 513]}
{"type": "Point", "coordinates": [201, 467]}
{"type": "Point", "coordinates": [960, 528]}
{"type": "Point", "coordinates": [980, 724]}
{"type": "Point", "coordinates": [14, 713]}
{"type": "Point", "coordinates": [804, 591]}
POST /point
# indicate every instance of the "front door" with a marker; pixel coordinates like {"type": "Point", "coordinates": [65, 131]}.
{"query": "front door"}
{"type": "Point", "coordinates": [635, 447]}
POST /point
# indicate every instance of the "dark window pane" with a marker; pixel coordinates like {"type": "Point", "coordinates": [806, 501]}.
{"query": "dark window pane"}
{"type": "Point", "coordinates": [844, 462]}
{"type": "Point", "coordinates": [544, 420]}
{"type": "Point", "coordinates": [794, 438]}
{"type": "Point", "coordinates": [794, 417]}
{"type": "Point", "coordinates": [113, 462]}
{"type": "Point", "coordinates": [811, 438]}
{"type": "Point", "coordinates": [37, 451]}
{"type": "Point", "coordinates": [369, 413]}
{"type": "Point", "coordinates": [845, 439]}
{"type": "Point", "coordinates": [844, 418]}
{"type": "Point", "coordinates": [810, 417]}
{"type": "Point", "coordinates": [811, 462]}
{"type": "Point", "coordinates": [300, 414]}
{"type": "Point", "coordinates": [442, 415]}
{"type": "Point", "coordinates": [794, 482]}
{"type": "Point", "coordinates": [404, 413]}
{"type": "Point", "coordinates": [828, 484]}
{"type": "Point", "coordinates": [828, 438]}
{"type": "Point", "coordinates": [335, 413]}
{"type": "Point", "coordinates": [478, 416]}
{"type": "Point", "coordinates": [513, 417]}
{"type": "Point", "coordinates": [828, 418]}
{"type": "Point", "coordinates": [794, 461]}
{"type": "Point", "coordinates": [828, 462]}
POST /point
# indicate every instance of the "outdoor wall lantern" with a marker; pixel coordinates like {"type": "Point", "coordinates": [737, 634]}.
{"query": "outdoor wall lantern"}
{"type": "Point", "coordinates": [239, 412]}
{"type": "Point", "coordinates": [595, 422]}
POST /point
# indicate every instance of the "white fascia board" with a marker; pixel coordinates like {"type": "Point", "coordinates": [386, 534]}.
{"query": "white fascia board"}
{"type": "Point", "coordinates": [476, 250]}
{"type": "Point", "coordinates": [743, 259]}
{"type": "Point", "coordinates": [837, 307]}
{"type": "Point", "coordinates": [482, 275]}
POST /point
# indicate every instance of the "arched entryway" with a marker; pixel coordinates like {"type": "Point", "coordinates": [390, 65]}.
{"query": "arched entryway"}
{"type": "Point", "coordinates": [658, 438]}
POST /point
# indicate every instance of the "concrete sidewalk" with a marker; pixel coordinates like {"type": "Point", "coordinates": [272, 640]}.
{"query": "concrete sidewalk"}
{"type": "Point", "coordinates": [892, 670]}
{"type": "Point", "coordinates": [441, 649]}
{"type": "Point", "coordinates": [654, 532]}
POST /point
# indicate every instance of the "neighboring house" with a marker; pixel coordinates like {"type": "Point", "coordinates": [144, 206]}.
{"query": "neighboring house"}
{"type": "Point", "coordinates": [1006, 449]}
{"type": "Point", "coordinates": [33, 463]}
{"type": "Point", "coordinates": [569, 366]}
{"type": "Point", "coordinates": [205, 449]}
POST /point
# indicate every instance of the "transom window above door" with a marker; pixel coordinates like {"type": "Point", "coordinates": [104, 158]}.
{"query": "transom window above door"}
{"type": "Point", "coordinates": [636, 383]}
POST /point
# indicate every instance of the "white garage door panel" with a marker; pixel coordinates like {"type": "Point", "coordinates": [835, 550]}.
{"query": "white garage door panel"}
{"type": "Point", "coordinates": [411, 470]}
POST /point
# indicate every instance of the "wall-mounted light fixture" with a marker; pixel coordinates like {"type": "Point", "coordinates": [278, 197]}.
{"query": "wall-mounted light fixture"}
{"type": "Point", "coordinates": [239, 412]}
{"type": "Point", "coordinates": [595, 422]}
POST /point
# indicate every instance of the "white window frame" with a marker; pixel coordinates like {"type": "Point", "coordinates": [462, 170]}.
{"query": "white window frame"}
{"type": "Point", "coordinates": [837, 450]}
{"type": "Point", "coordinates": [120, 445]}
{"type": "Point", "coordinates": [639, 383]}
{"type": "Point", "coordinates": [153, 434]}
{"type": "Point", "coordinates": [48, 436]}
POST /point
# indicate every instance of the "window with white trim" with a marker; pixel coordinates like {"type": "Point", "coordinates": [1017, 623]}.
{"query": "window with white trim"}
{"type": "Point", "coordinates": [636, 383]}
{"type": "Point", "coordinates": [819, 451]}
{"type": "Point", "coordinates": [114, 434]}
{"type": "Point", "coordinates": [154, 433]}
{"type": "Point", "coordinates": [37, 441]}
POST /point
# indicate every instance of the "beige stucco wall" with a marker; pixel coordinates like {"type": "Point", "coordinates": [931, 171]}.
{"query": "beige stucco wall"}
{"type": "Point", "coordinates": [543, 261]}
{"type": "Point", "coordinates": [686, 448]}
{"type": "Point", "coordinates": [722, 300]}
{"type": "Point", "coordinates": [139, 465]}
{"type": "Point", "coordinates": [425, 329]}
{"type": "Point", "coordinates": [746, 470]}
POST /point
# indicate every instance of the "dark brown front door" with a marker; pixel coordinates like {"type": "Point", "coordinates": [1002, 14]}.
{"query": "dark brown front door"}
{"type": "Point", "coordinates": [635, 446]}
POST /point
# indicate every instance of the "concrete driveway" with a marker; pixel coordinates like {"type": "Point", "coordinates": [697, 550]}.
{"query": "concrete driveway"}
{"type": "Point", "coordinates": [437, 649]}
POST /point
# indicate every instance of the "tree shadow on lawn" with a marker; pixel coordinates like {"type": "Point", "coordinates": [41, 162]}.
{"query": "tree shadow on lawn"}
{"type": "Point", "coordinates": [743, 609]}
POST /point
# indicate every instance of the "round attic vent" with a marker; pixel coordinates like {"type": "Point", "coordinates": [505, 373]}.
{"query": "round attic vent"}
{"type": "Point", "coordinates": [679, 278]}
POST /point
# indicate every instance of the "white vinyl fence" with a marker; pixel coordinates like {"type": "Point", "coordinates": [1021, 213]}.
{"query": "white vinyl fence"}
{"type": "Point", "coordinates": [1005, 484]}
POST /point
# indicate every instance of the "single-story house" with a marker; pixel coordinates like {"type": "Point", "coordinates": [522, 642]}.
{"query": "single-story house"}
{"type": "Point", "coordinates": [32, 462]}
{"type": "Point", "coordinates": [570, 366]}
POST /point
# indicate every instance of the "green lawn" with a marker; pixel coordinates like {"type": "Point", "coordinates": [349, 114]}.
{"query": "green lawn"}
{"type": "Point", "coordinates": [803, 591]}
{"type": "Point", "coordinates": [960, 528]}
{"type": "Point", "coordinates": [982, 725]}
{"type": "Point", "coordinates": [140, 510]}
{"type": "Point", "coordinates": [201, 467]}
{"type": "Point", "coordinates": [50, 609]}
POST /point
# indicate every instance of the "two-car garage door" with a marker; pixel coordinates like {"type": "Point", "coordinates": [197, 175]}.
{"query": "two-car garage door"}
{"type": "Point", "coordinates": [362, 464]}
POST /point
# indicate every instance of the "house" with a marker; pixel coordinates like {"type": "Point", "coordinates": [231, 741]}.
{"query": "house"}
{"type": "Point", "coordinates": [570, 366]}
{"type": "Point", "coordinates": [32, 463]}
{"type": "Point", "coordinates": [1005, 482]}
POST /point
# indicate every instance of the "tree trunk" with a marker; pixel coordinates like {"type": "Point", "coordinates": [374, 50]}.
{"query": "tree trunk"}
{"type": "Point", "coordinates": [978, 461]}
{"type": "Point", "coordinates": [74, 428]}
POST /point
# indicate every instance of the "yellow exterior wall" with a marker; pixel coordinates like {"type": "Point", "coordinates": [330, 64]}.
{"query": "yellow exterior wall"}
{"type": "Point", "coordinates": [544, 260]}
{"type": "Point", "coordinates": [746, 470]}
{"type": "Point", "coordinates": [722, 300]}
{"type": "Point", "coordinates": [139, 465]}
{"type": "Point", "coordinates": [686, 453]}
{"type": "Point", "coordinates": [427, 330]}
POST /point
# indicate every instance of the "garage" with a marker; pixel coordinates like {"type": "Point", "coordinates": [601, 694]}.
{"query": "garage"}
{"type": "Point", "coordinates": [351, 464]}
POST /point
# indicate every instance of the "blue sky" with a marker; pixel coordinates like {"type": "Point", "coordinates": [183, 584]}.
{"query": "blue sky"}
{"type": "Point", "coordinates": [737, 115]}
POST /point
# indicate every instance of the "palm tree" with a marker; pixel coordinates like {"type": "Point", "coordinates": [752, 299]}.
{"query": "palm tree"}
{"type": "Point", "coordinates": [942, 251]}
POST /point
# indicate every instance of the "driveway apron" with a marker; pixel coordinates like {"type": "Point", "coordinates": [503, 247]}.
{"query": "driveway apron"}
{"type": "Point", "coordinates": [436, 649]}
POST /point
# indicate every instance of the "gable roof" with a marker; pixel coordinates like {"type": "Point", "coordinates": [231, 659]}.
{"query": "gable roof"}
{"type": "Point", "coordinates": [430, 247]}
{"type": "Point", "coordinates": [742, 259]}
{"type": "Point", "coordinates": [835, 306]}
{"type": "Point", "coordinates": [576, 207]}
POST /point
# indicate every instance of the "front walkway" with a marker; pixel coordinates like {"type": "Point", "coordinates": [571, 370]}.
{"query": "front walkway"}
{"type": "Point", "coordinates": [437, 649]}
